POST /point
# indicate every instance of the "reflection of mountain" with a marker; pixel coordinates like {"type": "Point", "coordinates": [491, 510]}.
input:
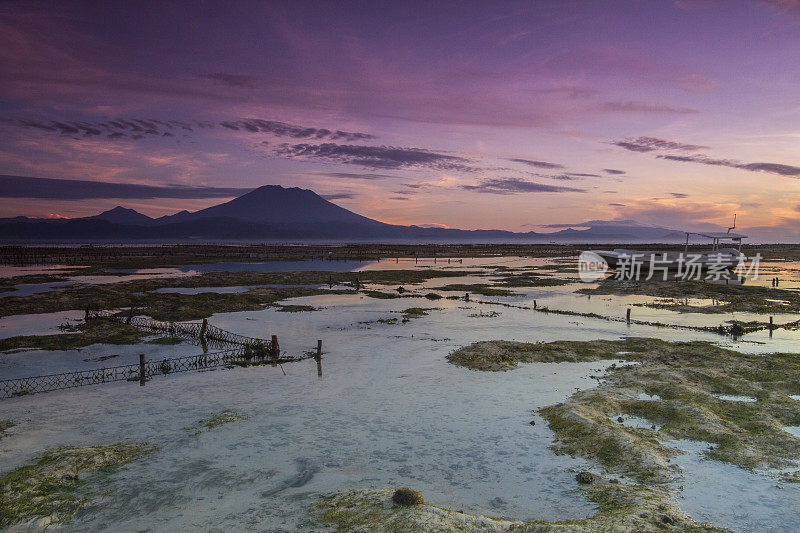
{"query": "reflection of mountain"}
{"type": "Point", "coordinates": [275, 213]}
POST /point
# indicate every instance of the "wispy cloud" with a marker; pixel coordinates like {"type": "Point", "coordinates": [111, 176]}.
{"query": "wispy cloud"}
{"type": "Point", "coordinates": [613, 171]}
{"type": "Point", "coordinates": [772, 168]}
{"type": "Point", "coordinates": [282, 129]}
{"type": "Point", "coordinates": [383, 157]}
{"type": "Point", "coordinates": [652, 144]}
{"type": "Point", "coordinates": [515, 185]}
{"type": "Point", "coordinates": [537, 164]}
{"type": "Point", "coordinates": [593, 223]}
{"type": "Point", "coordinates": [57, 189]}
{"type": "Point", "coordinates": [354, 175]}
{"type": "Point", "coordinates": [127, 128]}
{"type": "Point", "coordinates": [339, 196]}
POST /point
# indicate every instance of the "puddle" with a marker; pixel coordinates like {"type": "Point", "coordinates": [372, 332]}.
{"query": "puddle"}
{"type": "Point", "coordinates": [37, 324]}
{"type": "Point", "coordinates": [28, 289]}
{"type": "Point", "coordinates": [637, 422]}
{"type": "Point", "coordinates": [643, 396]}
{"type": "Point", "coordinates": [793, 430]}
{"type": "Point", "coordinates": [36, 270]}
{"type": "Point", "coordinates": [735, 398]}
{"type": "Point", "coordinates": [728, 496]}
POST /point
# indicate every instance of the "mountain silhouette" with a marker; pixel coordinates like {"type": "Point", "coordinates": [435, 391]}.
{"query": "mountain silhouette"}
{"type": "Point", "coordinates": [276, 213]}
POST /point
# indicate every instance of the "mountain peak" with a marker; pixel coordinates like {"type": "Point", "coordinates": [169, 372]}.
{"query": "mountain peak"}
{"type": "Point", "coordinates": [282, 206]}
{"type": "Point", "coordinates": [123, 215]}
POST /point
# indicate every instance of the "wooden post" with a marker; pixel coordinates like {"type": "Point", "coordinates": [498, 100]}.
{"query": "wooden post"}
{"type": "Point", "coordinates": [203, 329]}
{"type": "Point", "coordinates": [130, 315]}
{"type": "Point", "coordinates": [628, 316]}
{"type": "Point", "coordinates": [535, 305]}
{"type": "Point", "coordinates": [275, 351]}
{"type": "Point", "coordinates": [770, 324]}
{"type": "Point", "coordinates": [88, 309]}
{"type": "Point", "coordinates": [141, 370]}
{"type": "Point", "coordinates": [319, 358]}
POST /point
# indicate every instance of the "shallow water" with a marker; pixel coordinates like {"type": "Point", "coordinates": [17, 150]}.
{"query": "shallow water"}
{"type": "Point", "coordinates": [636, 422]}
{"type": "Point", "coordinates": [278, 266]}
{"type": "Point", "coordinates": [731, 497]}
{"type": "Point", "coordinates": [735, 398]}
{"type": "Point", "coordinates": [37, 324]}
{"type": "Point", "coordinates": [243, 288]}
{"type": "Point", "coordinates": [794, 430]}
{"type": "Point", "coordinates": [12, 271]}
{"type": "Point", "coordinates": [389, 411]}
{"type": "Point", "coordinates": [25, 363]}
{"type": "Point", "coordinates": [27, 289]}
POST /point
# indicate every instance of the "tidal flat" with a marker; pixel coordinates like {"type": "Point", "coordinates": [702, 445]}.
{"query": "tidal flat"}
{"type": "Point", "coordinates": [494, 385]}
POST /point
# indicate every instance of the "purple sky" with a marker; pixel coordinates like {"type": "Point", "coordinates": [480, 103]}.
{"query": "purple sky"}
{"type": "Point", "coordinates": [473, 115]}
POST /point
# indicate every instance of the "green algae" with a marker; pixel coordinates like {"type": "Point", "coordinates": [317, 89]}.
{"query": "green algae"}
{"type": "Point", "coordinates": [406, 496]}
{"type": "Point", "coordinates": [687, 377]}
{"type": "Point", "coordinates": [504, 355]}
{"type": "Point", "coordinates": [528, 279]}
{"type": "Point", "coordinates": [4, 425]}
{"type": "Point", "coordinates": [620, 507]}
{"type": "Point", "coordinates": [51, 489]}
{"type": "Point", "coordinates": [416, 312]}
{"type": "Point", "coordinates": [478, 288]}
{"type": "Point", "coordinates": [730, 298]}
{"type": "Point", "coordinates": [77, 336]}
{"type": "Point", "coordinates": [295, 308]}
{"type": "Point", "coordinates": [216, 420]}
{"type": "Point", "coordinates": [179, 307]}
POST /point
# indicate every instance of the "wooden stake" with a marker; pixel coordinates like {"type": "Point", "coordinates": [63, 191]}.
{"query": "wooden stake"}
{"type": "Point", "coordinates": [319, 358]}
{"type": "Point", "coordinates": [276, 349]}
{"type": "Point", "coordinates": [141, 370]}
{"type": "Point", "coordinates": [628, 316]}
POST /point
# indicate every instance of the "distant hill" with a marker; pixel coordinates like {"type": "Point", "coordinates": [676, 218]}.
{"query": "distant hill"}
{"type": "Point", "coordinates": [279, 214]}
{"type": "Point", "coordinates": [276, 205]}
{"type": "Point", "coordinates": [123, 216]}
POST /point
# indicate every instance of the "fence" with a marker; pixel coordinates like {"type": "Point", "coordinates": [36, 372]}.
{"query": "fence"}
{"type": "Point", "coordinates": [248, 351]}
{"type": "Point", "coordinates": [187, 330]}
